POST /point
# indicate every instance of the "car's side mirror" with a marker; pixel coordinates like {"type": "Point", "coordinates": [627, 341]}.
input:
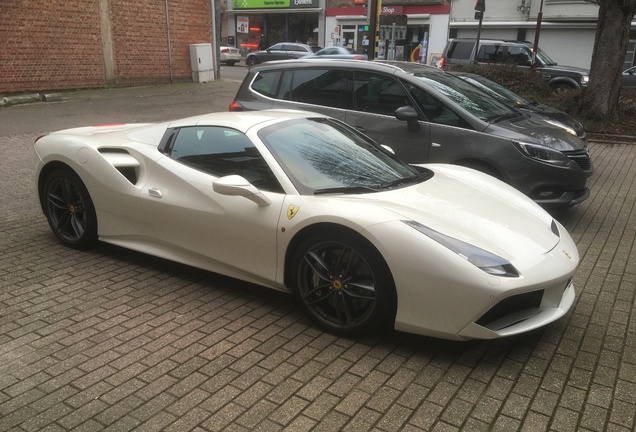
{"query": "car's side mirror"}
{"type": "Point", "coordinates": [235, 185]}
{"type": "Point", "coordinates": [410, 116]}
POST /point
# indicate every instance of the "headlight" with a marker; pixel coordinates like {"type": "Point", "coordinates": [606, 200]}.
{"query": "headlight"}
{"type": "Point", "coordinates": [544, 154]}
{"type": "Point", "coordinates": [484, 260]}
{"type": "Point", "coordinates": [585, 79]}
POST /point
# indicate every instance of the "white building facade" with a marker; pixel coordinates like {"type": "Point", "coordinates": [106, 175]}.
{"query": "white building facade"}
{"type": "Point", "coordinates": [567, 30]}
{"type": "Point", "coordinates": [417, 30]}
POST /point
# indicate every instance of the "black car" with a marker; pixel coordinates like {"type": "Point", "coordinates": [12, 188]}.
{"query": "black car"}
{"type": "Point", "coordinates": [519, 53]}
{"type": "Point", "coordinates": [427, 115]}
{"type": "Point", "coordinates": [513, 100]}
{"type": "Point", "coordinates": [281, 51]}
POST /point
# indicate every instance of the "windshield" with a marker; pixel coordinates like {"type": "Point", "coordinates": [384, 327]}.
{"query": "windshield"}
{"type": "Point", "coordinates": [542, 57]}
{"type": "Point", "coordinates": [496, 90]}
{"type": "Point", "coordinates": [321, 155]}
{"type": "Point", "coordinates": [467, 96]}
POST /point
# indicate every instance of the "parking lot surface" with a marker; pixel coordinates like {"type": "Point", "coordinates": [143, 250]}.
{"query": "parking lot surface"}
{"type": "Point", "coordinates": [110, 339]}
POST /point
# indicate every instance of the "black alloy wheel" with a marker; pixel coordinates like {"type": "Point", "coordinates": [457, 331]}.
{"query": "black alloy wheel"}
{"type": "Point", "coordinates": [344, 284]}
{"type": "Point", "coordinates": [69, 209]}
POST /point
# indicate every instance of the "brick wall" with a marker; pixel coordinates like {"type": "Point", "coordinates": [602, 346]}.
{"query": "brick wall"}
{"type": "Point", "coordinates": [57, 44]}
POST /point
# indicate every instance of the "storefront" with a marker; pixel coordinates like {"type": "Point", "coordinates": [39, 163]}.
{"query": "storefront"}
{"type": "Point", "coordinates": [410, 33]}
{"type": "Point", "coordinates": [254, 24]}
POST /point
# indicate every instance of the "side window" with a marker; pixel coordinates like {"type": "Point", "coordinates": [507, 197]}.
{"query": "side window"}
{"type": "Point", "coordinates": [223, 151]}
{"type": "Point", "coordinates": [315, 86]}
{"type": "Point", "coordinates": [265, 83]}
{"type": "Point", "coordinates": [376, 93]}
{"type": "Point", "coordinates": [460, 50]}
{"type": "Point", "coordinates": [491, 54]}
{"type": "Point", "coordinates": [519, 56]}
{"type": "Point", "coordinates": [277, 47]}
{"type": "Point", "coordinates": [434, 110]}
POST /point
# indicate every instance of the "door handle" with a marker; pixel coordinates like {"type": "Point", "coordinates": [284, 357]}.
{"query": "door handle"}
{"type": "Point", "coordinates": [154, 192]}
{"type": "Point", "coordinates": [361, 129]}
{"type": "Point", "coordinates": [435, 144]}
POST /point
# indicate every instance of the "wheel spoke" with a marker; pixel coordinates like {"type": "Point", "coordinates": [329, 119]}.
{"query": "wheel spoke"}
{"type": "Point", "coordinates": [307, 297]}
{"type": "Point", "coordinates": [319, 266]}
{"type": "Point", "coordinates": [343, 310]}
{"type": "Point", "coordinates": [362, 290]}
{"type": "Point", "coordinates": [57, 201]}
{"type": "Point", "coordinates": [77, 225]}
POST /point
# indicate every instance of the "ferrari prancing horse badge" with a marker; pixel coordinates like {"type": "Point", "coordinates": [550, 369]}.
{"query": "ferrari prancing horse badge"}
{"type": "Point", "coordinates": [291, 211]}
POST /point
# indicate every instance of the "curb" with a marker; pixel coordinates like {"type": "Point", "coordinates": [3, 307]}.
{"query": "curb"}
{"type": "Point", "coordinates": [30, 98]}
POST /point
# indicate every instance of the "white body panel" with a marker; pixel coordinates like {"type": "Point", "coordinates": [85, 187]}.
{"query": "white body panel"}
{"type": "Point", "coordinates": [173, 211]}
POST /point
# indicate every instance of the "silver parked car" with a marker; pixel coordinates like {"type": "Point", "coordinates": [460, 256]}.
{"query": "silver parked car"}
{"type": "Point", "coordinates": [281, 51]}
{"type": "Point", "coordinates": [339, 52]}
{"type": "Point", "coordinates": [427, 115]}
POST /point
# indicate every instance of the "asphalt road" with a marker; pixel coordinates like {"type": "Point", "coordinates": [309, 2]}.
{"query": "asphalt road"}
{"type": "Point", "coordinates": [121, 105]}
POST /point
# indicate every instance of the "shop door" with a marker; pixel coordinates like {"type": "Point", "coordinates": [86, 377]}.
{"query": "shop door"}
{"type": "Point", "coordinates": [348, 36]}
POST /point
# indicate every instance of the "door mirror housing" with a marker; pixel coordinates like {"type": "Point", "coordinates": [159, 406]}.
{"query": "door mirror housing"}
{"type": "Point", "coordinates": [235, 185]}
{"type": "Point", "coordinates": [410, 116]}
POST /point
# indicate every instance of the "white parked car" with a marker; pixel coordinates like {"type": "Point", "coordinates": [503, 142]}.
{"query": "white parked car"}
{"type": "Point", "coordinates": [303, 203]}
{"type": "Point", "coordinates": [230, 55]}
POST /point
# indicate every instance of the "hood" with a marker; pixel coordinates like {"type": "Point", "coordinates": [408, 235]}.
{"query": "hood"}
{"type": "Point", "coordinates": [565, 69]}
{"type": "Point", "coordinates": [533, 129]}
{"type": "Point", "coordinates": [554, 114]}
{"type": "Point", "coordinates": [473, 207]}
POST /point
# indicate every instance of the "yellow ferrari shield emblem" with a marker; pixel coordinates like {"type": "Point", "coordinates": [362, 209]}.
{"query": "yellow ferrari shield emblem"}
{"type": "Point", "coordinates": [291, 211]}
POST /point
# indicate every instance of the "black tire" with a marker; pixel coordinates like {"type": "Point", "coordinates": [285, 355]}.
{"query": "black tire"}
{"type": "Point", "coordinates": [230, 63]}
{"type": "Point", "coordinates": [344, 284]}
{"type": "Point", "coordinates": [69, 209]}
{"type": "Point", "coordinates": [251, 61]}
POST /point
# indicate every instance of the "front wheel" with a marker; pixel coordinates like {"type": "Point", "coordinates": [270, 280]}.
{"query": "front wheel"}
{"type": "Point", "coordinates": [251, 61]}
{"type": "Point", "coordinates": [69, 209]}
{"type": "Point", "coordinates": [344, 284]}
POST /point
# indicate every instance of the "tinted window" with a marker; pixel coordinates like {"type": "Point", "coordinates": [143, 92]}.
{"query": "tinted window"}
{"type": "Point", "coordinates": [222, 151]}
{"type": "Point", "coordinates": [265, 83]}
{"type": "Point", "coordinates": [277, 47]}
{"type": "Point", "coordinates": [460, 50]}
{"type": "Point", "coordinates": [519, 56]}
{"type": "Point", "coordinates": [434, 110]}
{"type": "Point", "coordinates": [491, 54]}
{"type": "Point", "coordinates": [313, 86]}
{"type": "Point", "coordinates": [376, 93]}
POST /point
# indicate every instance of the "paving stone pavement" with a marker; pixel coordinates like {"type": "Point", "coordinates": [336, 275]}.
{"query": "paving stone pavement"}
{"type": "Point", "coordinates": [110, 339]}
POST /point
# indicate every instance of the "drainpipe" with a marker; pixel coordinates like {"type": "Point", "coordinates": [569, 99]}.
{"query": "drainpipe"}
{"type": "Point", "coordinates": [215, 42]}
{"type": "Point", "coordinates": [169, 48]}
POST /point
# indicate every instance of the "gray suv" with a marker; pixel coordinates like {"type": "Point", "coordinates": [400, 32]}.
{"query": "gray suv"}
{"type": "Point", "coordinates": [427, 115]}
{"type": "Point", "coordinates": [519, 53]}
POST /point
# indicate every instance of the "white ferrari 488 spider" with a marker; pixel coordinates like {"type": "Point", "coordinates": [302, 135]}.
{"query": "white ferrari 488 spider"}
{"type": "Point", "coordinates": [303, 203]}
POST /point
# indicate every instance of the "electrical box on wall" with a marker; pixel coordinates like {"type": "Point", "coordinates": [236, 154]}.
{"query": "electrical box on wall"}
{"type": "Point", "coordinates": [201, 62]}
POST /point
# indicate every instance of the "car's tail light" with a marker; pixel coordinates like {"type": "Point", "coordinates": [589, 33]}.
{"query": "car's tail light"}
{"type": "Point", "coordinates": [225, 50]}
{"type": "Point", "coordinates": [359, 57]}
{"type": "Point", "coordinates": [441, 62]}
{"type": "Point", "coordinates": [41, 136]}
{"type": "Point", "coordinates": [235, 106]}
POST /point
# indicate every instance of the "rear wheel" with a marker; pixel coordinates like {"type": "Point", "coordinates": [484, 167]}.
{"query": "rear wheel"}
{"type": "Point", "coordinates": [69, 209]}
{"type": "Point", "coordinates": [344, 284]}
{"type": "Point", "coordinates": [230, 63]}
